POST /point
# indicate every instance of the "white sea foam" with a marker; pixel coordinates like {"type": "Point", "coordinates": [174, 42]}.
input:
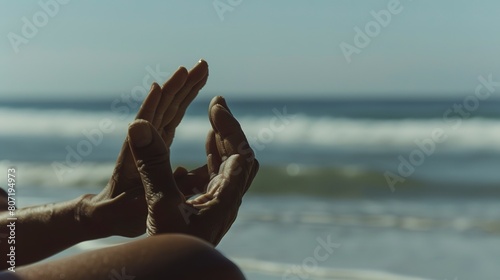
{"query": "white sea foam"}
{"type": "Point", "coordinates": [325, 132]}
{"type": "Point", "coordinates": [52, 123]}
{"type": "Point", "coordinates": [87, 175]}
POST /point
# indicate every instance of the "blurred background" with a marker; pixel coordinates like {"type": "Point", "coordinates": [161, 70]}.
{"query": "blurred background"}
{"type": "Point", "coordinates": [377, 123]}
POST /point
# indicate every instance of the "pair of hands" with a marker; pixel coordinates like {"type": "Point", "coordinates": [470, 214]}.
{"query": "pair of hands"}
{"type": "Point", "coordinates": [144, 194]}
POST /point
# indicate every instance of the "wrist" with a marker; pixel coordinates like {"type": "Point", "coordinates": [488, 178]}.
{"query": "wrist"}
{"type": "Point", "coordinates": [87, 219]}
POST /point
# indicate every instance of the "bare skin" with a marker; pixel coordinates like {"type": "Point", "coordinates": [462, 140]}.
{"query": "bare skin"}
{"type": "Point", "coordinates": [230, 169]}
{"type": "Point", "coordinates": [144, 189]}
{"type": "Point", "coordinates": [220, 184]}
{"type": "Point", "coordinates": [166, 256]}
{"type": "Point", "coordinates": [120, 209]}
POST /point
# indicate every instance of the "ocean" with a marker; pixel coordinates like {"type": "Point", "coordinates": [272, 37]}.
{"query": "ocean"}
{"type": "Point", "coordinates": [407, 189]}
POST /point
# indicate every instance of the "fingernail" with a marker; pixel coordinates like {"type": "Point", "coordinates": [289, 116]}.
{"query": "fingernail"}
{"type": "Point", "coordinates": [153, 86]}
{"type": "Point", "coordinates": [140, 134]}
{"type": "Point", "coordinates": [201, 61]}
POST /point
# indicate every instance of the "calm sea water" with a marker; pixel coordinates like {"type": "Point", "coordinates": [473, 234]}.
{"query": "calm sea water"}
{"type": "Point", "coordinates": [324, 173]}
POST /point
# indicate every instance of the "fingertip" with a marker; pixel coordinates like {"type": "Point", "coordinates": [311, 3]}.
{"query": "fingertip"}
{"type": "Point", "coordinates": [181, 72]}
{"type": "Point", "coordinates": [180, 171]}
{"type": "Point", "coordinates": [222, 101]}
{"type": "Point", "coordinates": [219, 109]}
{"type": "Point", "coordinates": [140, 133]}
{"type": "Point", "coordinates": [213, 102]}
{"type": "Point", "coordinates": [154, 86]}
{"type": "Point", "coordinates": [222, 120]}
{"type": "Point", "coordinates": [139, 122]}
{"type": "Point", "coordinates": [219, 99]}
{"type": "Point", "coordinates": [182, 69]}
{"type": "Point", "coordinates": [201, 67]}
{"type": "Point", "coordinates": [148, 106]}
{"type": "Point", "coordinates": [202, 63]}
{"type": "Point", "coordinates": [180, 76]}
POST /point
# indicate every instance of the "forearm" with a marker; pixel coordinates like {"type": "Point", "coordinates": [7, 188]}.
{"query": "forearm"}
{"type": "Point", "coordinates": [38, 232]}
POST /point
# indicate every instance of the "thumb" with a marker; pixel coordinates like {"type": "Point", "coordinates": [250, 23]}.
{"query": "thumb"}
{"type": "Point", "coordinates": [152, 159]}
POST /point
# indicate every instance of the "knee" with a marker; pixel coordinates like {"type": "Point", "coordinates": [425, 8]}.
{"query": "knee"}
{"type": "Point", "coordinates": [197, 259]}
{"type": "Point", "coordinates": [168, 256]}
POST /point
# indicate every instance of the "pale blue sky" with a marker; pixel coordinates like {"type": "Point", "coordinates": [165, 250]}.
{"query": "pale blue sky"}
{"type": "Point", "coordinates": [261, 48]}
